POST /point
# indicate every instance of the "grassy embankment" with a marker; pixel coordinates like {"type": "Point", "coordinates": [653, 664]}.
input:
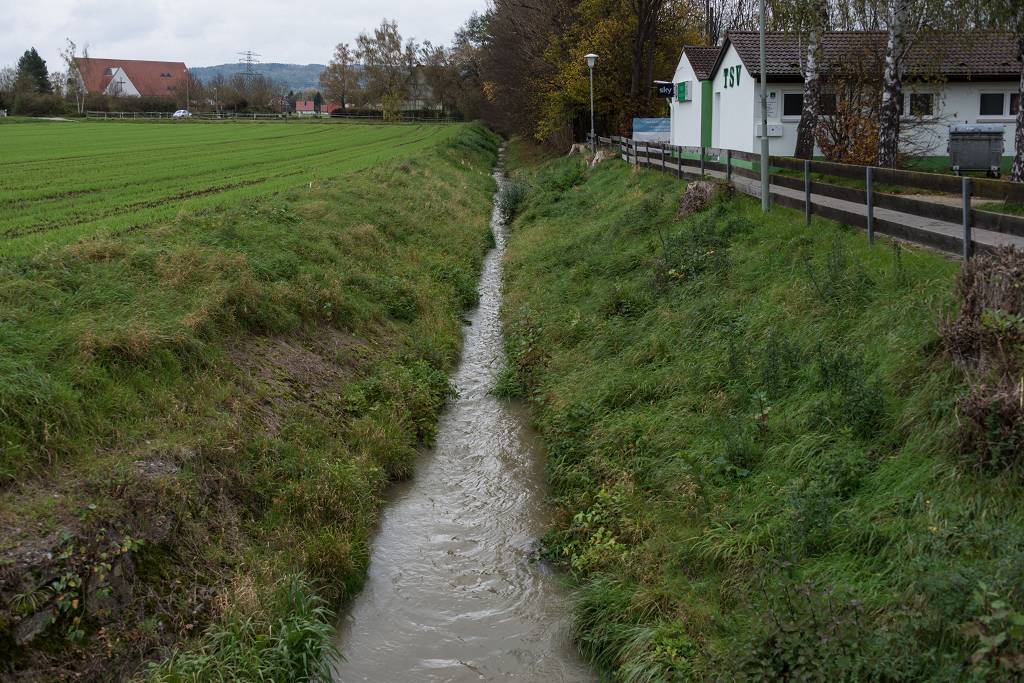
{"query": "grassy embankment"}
{"type": "Point", "coordinates": [198, 418]}
{"type": "Point", "coordinates": [751, 436]}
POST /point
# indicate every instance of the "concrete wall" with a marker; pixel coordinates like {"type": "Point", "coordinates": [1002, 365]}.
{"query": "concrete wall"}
{"type": "Point", "coordinates": [686, 115]}
{"type": "Point", "coordinates": [732, 118]}
{"type": "Point", "coordinates": [959, 103]}
{"type": "Point", "coordinates": [120, 85]}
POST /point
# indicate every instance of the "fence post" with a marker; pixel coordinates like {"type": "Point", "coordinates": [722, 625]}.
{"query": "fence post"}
{"type": "Point", "coordinates": [679, 162]}
{"type": "Point", "coordinates": [967, 218]}
{"type": "Point", "coordinates": [702, 161]}
{"type": "Point", "coordinates": [807, 191]}
{"type": "Point", "coordinates": [870, 181]}
{"type": "Point", "coordinates": [728, 165]}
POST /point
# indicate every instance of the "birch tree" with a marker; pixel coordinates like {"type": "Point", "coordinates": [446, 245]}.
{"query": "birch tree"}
{"type": "Point", "coordinates": [75, 82]}
{"type": "Point", "coordinates": [810, 19]}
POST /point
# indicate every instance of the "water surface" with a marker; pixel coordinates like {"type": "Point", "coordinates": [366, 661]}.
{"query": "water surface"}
{"type": "Point", "coordinates": [455, 591]}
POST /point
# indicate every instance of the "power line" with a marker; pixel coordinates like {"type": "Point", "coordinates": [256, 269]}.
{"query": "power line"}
{"type": "Point", "coordinates": [250, 60]}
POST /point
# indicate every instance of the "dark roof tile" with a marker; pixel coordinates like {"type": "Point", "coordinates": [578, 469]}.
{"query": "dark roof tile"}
{"type": "Point", "coordinates": [981, 55]}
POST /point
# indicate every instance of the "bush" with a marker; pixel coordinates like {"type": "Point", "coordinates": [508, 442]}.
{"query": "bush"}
{"type": "Point", "coordinates": [38, 104]}
{"type": "Point", "coordinates": [511, 197]}
{"type": "Point", "coordinates": [986, 340]}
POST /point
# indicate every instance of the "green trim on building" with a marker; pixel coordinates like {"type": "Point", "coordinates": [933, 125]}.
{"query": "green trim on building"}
{"type": "Point", "coordinates": [706, 100]}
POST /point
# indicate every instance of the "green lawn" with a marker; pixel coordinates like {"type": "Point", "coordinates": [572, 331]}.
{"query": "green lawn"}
{"type": "Point", "coordinates": [65, 180]}
{"type": "Point", "coordinates": [752, 441]}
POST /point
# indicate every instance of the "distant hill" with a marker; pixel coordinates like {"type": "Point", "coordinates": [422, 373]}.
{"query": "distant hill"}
{"type": "Point", "coordinates": [291, 76]}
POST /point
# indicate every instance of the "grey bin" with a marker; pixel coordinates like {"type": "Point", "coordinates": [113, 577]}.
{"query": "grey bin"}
{"type": "Point", "coordinates": [976, 147]}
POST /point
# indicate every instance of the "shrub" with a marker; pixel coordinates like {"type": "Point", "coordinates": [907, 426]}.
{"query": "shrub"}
{"type": "Point", "coordinates": [38, 104]}
{"type": "Point", "coordinates": [511, 196]}
{"type": "Point", "coordinates": [701, 247]}
{"type": "Point", "coordinates": [986, 340]}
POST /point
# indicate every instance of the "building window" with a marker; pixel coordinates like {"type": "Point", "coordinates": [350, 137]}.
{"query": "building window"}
{"type": "Point", "coordinates": [792, 104]}
{"type": "Point", "coordinates": [922, 104]}
{"type": "Point", "coordinates": [165, 75]}
{"type": "Point", "coordinates": [108, 71]}
{"type": "Point", "coordinates": [1014, 103]}
{"type": "Point", "coordinates": [992, 104]}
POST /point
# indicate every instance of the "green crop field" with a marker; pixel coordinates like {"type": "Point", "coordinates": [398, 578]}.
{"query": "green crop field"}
{"type": "Point", "coordinates": [62, 181]}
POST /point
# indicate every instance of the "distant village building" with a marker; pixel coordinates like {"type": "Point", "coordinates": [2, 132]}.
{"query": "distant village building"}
{"type": "Point", "coordinates": [308, 107]}
{"type": "Point", "coordinates": [968, 77]}
{"type": "Point", "coordinates": [132, 77]}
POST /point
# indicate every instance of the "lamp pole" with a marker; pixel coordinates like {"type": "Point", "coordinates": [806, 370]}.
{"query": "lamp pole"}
{"type": "Point", "coordinates": [591, 61]}
{"type": "Point", "coordinates": [765, 185]}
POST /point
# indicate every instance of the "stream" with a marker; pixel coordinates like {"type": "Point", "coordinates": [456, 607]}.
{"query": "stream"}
{"type": "Point", "coordinates": [455, 590]}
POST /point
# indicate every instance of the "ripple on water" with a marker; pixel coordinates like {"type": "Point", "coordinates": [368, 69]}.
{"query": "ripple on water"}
{"type": "Point", "coordinates": [454, 590]}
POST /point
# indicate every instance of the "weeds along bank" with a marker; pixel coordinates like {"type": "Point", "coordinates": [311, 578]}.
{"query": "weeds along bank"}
{"type": "Point", "coordinates": [198, 419]}
{"type": "Point", "coordinates": [753, 440]}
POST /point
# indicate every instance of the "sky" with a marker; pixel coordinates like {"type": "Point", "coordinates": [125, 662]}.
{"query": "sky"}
{"type": "Point", "coordinates": [209, 32]}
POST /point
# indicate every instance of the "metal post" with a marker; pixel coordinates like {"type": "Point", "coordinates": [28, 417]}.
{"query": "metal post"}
{"type": "Point", "coordinates": [967, 218]}
{"type": "Point", "coordinates": [702, 161]}
{"type": "Point", "coordinates": [870, 179]}
{"type": "Point", "coordinates": [728, 165]}
{"type": "Point", "coordinates": [679, 162]}
{"type": "Point", "coordinates": [765, 185]}
{"type": "Point", "coordinates": [807, 192]}
{"type": "Point", "coordinates": [591, 61]}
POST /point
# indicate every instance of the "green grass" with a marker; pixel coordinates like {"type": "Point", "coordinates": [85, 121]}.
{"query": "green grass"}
{"type": "Point", "coordinates": [63, 181]}
{"type": "Point", "coordinates": [751, 442]}
{"type": "Point", "coordinates": [1003, 207]}
{"type": "Point", "coordinates": [199, 418]}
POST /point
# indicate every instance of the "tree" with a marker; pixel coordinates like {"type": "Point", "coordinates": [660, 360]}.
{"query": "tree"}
{"type": "Point", "coordinates": [32, 73]}
{"type": "Point", "coordinates": [75, 82]}
{"type": "Point", "coordinates": [340, 79]}
{"type": "Point", "coordinates": [386, 65]}
{"type": "Point", "coordinates": [906, 22]}
{"type": "Point", "coordinates": [810, 19]}
{"type": "Point", "coordinates": [318, 101]}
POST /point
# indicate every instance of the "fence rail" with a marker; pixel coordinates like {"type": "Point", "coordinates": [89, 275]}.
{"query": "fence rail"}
{"type": "Point", "coordinates": [235, 116]}
{"type": "Point", "coordinates": [944, 223]}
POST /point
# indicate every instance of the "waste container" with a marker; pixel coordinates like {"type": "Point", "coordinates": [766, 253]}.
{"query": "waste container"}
{"type": "Point", "coordinates": [976, 147]}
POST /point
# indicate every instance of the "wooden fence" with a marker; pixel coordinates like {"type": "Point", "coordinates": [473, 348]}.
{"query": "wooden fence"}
{"type": "Point", "coordinates": [870, 187]}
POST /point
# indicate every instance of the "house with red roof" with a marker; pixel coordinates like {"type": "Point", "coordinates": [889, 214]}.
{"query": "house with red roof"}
{"type": "Point", "coordinates": [308, 107]}
{"type": "Point", "coordinates": [131, 77]}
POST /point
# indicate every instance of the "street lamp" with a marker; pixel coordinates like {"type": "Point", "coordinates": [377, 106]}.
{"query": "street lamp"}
{"type": "Point", "coordinates": [591, 61]}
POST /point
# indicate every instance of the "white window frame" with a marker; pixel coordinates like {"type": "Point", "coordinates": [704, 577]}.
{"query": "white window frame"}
{"type": "Point", "coordinates": [789, 118]}
{"type": "Point", "coordinates": [908, 114]}
{"type": "Point", "coordinates": [995, 118]}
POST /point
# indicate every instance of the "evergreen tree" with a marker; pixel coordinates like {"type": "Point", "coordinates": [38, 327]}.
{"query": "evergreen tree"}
{"type": "Point", "coordinates": [32, 73]}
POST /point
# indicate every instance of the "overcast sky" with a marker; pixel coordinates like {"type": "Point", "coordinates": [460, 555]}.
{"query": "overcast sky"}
{"type": "Point", "coordinates": [208, 32]}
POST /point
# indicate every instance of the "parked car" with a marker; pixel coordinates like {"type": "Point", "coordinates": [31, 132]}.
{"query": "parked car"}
{"type": "Point", "coordinates": [181, 114]}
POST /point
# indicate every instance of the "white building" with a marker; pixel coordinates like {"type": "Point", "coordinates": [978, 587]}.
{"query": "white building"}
{"type": "Point", "coordinates": [964, 78]}
{"type": "Point", "coordinates": [691, 106]}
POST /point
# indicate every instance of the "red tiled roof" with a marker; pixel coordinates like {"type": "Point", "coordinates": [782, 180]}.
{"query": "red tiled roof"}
{"type": "Point", "coordinates": [148, 77]}
{"type": "Point", "coordinates": [309, 106]}
{"type": "Point", "coordinates": [702, 59]}
{"type": "Point", "coordinates": [960, 56]}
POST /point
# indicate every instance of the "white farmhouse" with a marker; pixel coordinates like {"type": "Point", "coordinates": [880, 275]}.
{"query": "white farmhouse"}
{"type": "Point", "coordinates": [961, 78]}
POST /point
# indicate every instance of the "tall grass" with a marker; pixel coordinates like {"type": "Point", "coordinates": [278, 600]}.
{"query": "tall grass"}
{"type": "Point", "coordinates": [191, 412]}
{"type": "Point", "coordinates": [751, 437]}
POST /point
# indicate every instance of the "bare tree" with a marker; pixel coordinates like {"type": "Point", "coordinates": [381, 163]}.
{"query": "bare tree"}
{"type": "Point", "coordinates": [340, 80]}
{"type": "Point", "coordinates": [386, 65]}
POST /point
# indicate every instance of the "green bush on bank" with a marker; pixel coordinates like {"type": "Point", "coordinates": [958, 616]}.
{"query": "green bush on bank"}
{"type": "Point", "coordinates": [752, 439]}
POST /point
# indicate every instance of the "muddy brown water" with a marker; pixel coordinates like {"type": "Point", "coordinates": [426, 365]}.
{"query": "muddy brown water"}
{"type": "Point", "coordinates": [455, 590]}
